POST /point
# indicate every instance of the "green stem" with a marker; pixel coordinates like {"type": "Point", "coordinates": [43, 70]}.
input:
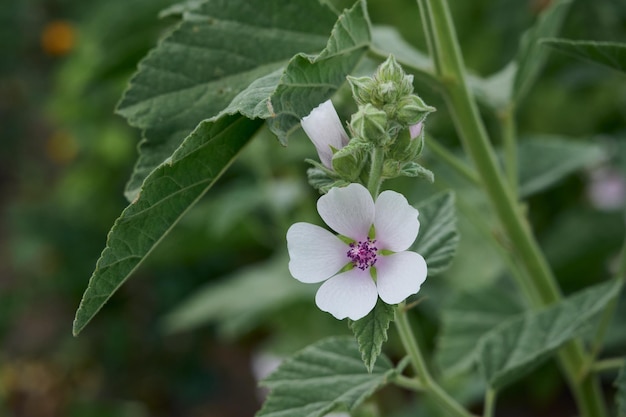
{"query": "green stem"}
{"type": "Point", "coordinates": [608, 365]}
{"type": "Point", "coordinates": [453, 161]}
{"type": "Point", "coordinates": [441, 397]}
{"type": "Point", "coordinates": [376, 171]}
{"type": "Point", "coordinates": [408, 383]}
{"type": "Point", "coordinates": [490, 402]}
{"type": "Point", "coordinates": [451, 70]}
{"type": "Point", "coordinates": [509, 143]}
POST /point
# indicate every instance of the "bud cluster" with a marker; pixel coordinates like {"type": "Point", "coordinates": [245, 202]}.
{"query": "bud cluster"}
{"type": "Point", "coordinates": [389, 118]}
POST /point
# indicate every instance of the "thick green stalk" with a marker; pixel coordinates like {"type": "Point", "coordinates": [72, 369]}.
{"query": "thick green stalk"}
{"type": "Point", "coordinates": [509, 145]}
{"type": "Point", "coordinates": [473, 135]}
{"type": "Point", "coordinates": [428, 384]}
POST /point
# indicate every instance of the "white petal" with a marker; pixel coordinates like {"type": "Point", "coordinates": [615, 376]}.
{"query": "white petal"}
{"type": "Point", "coordinates": [324, 129]}
{"type": "Point", "coordinates": [350, 294]}
{"type": "Point", "coordinates": [396, 222]}
{"type": "Point", "coordinates": [399, 275]}
{"type": "Point", "coordinates": [348, 211]}
{"type": "Point", "coordinates": [315, 254]}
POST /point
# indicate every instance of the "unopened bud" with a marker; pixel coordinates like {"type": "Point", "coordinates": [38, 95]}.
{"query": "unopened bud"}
{"type": "Point", "coordinates": [412, 110]}
{"type": "Point", "coordinates": [362, 88]}
{"type": "Point", "coordinates": [348, 162]}
{"type": "Point", "coordinates": [407, 147]}
{"type": "Point", "coordinates": [370, 125]}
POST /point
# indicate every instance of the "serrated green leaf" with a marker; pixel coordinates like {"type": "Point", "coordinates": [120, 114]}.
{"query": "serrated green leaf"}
{"type": "Point", "coordinates": [609, 54]}
{"type": "Point", "coordinates": [177, 183]}
{"type": "Point", "coordinates": [324, 377]}
{"type": "Point", "coordinates": [620, 398]}
{"type": "Point", "coordinates": [217, 51]}
{"type": "Point", "coordinates": [516, 347]}
{"type": "Point", "coordinates": [166, 195]}
{"type": "Point", "coordinates": [371, 332]}
{"type": "Point", "coordinates": [545, 160]}
{"type": "Point", "coordinates": [438, 236]}
{"type": "Point", "coordinates": [469, 317]}
{"type": "Point", "coordinates": [531, 55]}
{"type": "Point", "coordinates": [223, 303]}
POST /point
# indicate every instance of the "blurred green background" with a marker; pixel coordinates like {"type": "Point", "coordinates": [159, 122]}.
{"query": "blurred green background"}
{"type": "Point", "coordinates": [66, 156]}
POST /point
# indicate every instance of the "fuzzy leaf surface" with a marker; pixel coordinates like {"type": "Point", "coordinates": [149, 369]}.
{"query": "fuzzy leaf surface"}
{"type": "Point", "coordinates": [324, 377]}
{"type": "Point", "coordinates": [218, 50]}
{"type": "Point", "coordinates": [182, 178]}
{"type": "Point", "coordinates": [371, 332]}
{"type": "Point", "coordinates": [516, 347]}
{"type": "Point", "coordinates": [438, 236]}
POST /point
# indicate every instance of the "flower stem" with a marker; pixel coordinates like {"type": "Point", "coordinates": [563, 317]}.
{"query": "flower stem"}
{"type": "Point", "coordinates": [608, 365]}
{"type": "Point", "coordinates": [453, 161]}
{"type": "Point", "coordinates": [490, 402]}
{"type": "Point", "coordinates": [428, 384]}
{"type": "Point", "coordinates": [376, 171]}
{"type": "Point", "coordinates": [451, 70]}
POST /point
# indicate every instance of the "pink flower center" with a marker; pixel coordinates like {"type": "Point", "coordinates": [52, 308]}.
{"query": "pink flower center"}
{"type": "Point", "coordinates": [363, 254]}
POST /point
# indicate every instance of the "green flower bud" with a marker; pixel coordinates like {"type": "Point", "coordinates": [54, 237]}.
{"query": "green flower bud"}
{"type": "Point", "coordinates": [362, 88]}
{"type": "Point", "coordinates": [407, 147]}
{"type": "Point", "coordinates": [370, 125]}
{"type": "Point", "coordinates": [390, 71]}
{"type": "Point", "coordinates": [412, 110]}
{"type": "Point", "coordinates": [348, 162]}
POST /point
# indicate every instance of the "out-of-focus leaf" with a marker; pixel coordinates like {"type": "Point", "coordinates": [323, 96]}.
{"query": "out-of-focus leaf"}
{"type": "Point", "coordinates": [238, 302]}
{"type": "Point", "coordinates": [217, 51]}
{"type": "Point", "coordinates": [324, 377]}
{"type": "Point", "coordinates": [531, 55]}
{"type": "Point", "coordinates": [438, 237]}
{"type": "Point", "coordinates": [545, 160]}
{"type": "Point", "coordinates": [609, 54]}
{"type": "Point", "coordinates": [371, 332]}
{"type": "Point", "coordinates": [469, 317]}
{"type": "Point", "coordinates": [516, 347]}
{"type": "Point", "coordinates": [178, 183]}
{"type": "Point", "coordinates": [496, 90]}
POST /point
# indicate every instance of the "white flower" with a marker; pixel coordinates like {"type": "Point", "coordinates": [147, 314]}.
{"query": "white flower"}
{"type": "Point", "coordinates": [325, 130]}
{"type": "Point", "coordinates": [317, 255]}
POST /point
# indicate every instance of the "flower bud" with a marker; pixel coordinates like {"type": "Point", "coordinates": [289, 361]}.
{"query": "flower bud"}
{"type": "Point", "coordinates": [362, 88]}
{"type": "Point", "coordinates": [325, 130]}
{"type": "Point", "coordinates": [348, 162]}
{"type": "Point", "coordinates": [370, 125]}
{"type": "Point", "coordinates": [409, 144]}
{"type": "Point", "coordinates": [412, 110]}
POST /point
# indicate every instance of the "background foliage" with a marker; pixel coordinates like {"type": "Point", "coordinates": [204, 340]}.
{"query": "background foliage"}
{"type": "Point", "coordinates": [163, 347]}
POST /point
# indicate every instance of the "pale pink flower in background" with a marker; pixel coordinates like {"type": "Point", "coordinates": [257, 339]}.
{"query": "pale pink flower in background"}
{"type": "Point", "coordinates": [607, 189]}
{"type": "Point", "coordinates": [317, 255]}
{"type": "Point", "coordinates": [415, 130]}
{"type": "Point", "coordinates": [325, 130]}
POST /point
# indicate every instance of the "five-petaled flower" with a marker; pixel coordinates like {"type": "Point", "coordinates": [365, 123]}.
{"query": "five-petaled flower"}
{"type": "Point", "coordinates": [375, 261]}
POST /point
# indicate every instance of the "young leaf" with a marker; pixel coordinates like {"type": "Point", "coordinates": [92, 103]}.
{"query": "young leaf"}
{"type": "Point", "coordinates": [324, 377]}
{"type": "Point", "coordinates": [544, 160]}
{"type": "Point", "coordinates": [609, 54]}
{"type": "Point", "coordinates": [531, 56]}
{"type": "Point", "coordinates": [371, 332]}
{"type": "Point", "coordinates": [178, 183]}
{"type": "Point", "coordinates": [215, 52]}
{"type": "Point", "coordinates": [469, 317]}
{"type": "Point", "coordinates": [438, 236]}
{"type": "Point", "coordinates": [516, 347]}
{"type": "Point", "coordinates": [620, 398]}
{"type": "Point", "coordinates": [166, 195]}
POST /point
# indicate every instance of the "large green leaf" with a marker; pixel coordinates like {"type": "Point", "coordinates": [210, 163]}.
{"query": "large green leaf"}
{"type": "Point", "coordinates": [438, 236]}
{"type": "Point", "coordinates": [371, 332]}
{"type": "Point", "coordinates": [466, 319]}
{"type": "Point", "coordinates": [177, 183]}
{"type": "Point", "coordinates": [609, 54]}
{"type": "Point", "coordinates": [516, 347]}
{"type": "Point", "coordinates": [219, 48]}
{"type": "Point", "coordinates": [620, 398]}
{"type": "Point", "coordinates": [531, 55]}
{"type": "Point", "coordinates": [270, 282]}
{"type": "Point", "coordinates": [324, 377]}
{"type": "Point", "coordinates": [545, 160]}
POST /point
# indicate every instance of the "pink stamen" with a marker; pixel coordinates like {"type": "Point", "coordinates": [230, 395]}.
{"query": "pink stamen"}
{"type": "Point", "coordinates": [363, 253]}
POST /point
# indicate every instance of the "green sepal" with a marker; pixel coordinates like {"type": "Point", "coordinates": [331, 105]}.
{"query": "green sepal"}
{"type": "Point", "coordinates": [348, 162]}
